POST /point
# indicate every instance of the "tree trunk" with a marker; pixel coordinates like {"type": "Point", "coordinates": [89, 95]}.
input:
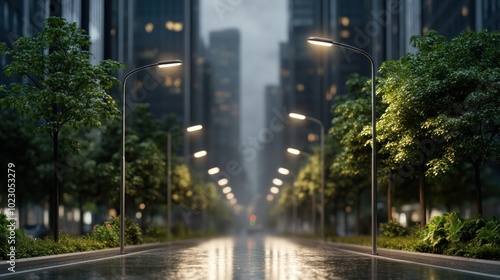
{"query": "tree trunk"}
{"type": "Point", "coordinates": [54, 195]}
{"type": "Point", "coordinates": [421, 192]}
{"type": "Point", "coordinates": [479, 195]}
{"type": "Point", "coordinates": [358, 212]}
{"type": "Point", "coordinates": [346, 222]}
{"type": "Point", "coordinates": [80, 208]}
{"type": "Point", "coordinates": [389, 196]}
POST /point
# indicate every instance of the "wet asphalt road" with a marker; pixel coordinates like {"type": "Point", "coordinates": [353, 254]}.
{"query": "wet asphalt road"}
{"type": "Point", "coordinates": [243, 257]}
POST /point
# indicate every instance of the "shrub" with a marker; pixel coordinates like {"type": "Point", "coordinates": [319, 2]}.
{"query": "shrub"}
{"type": "Point", "coordinates": [109, 233]}
{"type": "Point", "coordinates": [4, 238]}
{"type": "Point", "coordinates": [157, 233]}
{"type": "Point", "coordinates": [470, 227]}
{"type": "Point", "coordinates": [4, 234]}
{"type": "Point", "coordinates": [489, 234]}
{"type": "Point", "coordinates": [393, 229]}
{"type": "Point", "coordinates": [452, 227]}
{"type": "Point", "coordinates": [441, 231]}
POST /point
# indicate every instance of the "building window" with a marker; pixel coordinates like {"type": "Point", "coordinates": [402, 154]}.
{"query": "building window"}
{"type": "Point", "coordinates": [174, 26]}
{"type": "Point", "coordinates": [149, 27]}
{"type": "Point", "coordinates": [300, 87]}
{"type": "Point", "coordinates": [344, 21]}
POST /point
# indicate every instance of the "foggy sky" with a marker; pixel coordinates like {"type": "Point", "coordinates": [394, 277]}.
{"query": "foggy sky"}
{"type": "Point", "coordinates": [262, 25]}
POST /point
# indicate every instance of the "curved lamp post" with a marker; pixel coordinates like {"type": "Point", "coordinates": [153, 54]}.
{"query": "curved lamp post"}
{"type": "Point", "coordinates": [163, 64]}
{"type": "Point", "coordinates": [322, 140]}
{"type": "Point", "coordinates": [328, 43]}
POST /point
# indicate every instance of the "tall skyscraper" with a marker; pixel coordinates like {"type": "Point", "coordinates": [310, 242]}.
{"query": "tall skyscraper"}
{"type": "Point", "coordinates": [224, 122]}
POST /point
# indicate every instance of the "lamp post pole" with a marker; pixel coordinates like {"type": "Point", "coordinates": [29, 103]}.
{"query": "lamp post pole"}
{"type": "Point", "coordinates": [169, 180]}
{"type": "Point", "coordinates": [164, 64]}
{"type": "Point", "coordinates": [322, 174]}
{"type": "Point", "coordinates": [329, 42]}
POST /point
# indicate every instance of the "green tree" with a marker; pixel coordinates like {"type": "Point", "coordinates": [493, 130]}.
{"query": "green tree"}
{"type": "Point", "coordinates": [402, 83]}
{"type": "Point", "coordinates": [443, 105]}
{"type": "Point", "coordinates": [468, 119]}
{"type": "Point", "coordinates": [64, 89]}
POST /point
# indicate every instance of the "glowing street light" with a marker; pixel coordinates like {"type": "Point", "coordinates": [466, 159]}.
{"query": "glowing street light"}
{"type": "Point", "coordinates": [277, 182]}
{"type": "Point", "coordinates": [194, 128]}
{"type": "Point", "coordinates": [283, 171]}
{"type": "Point", "coordinates": [223, 182]}
{"type": "Point", "coordinates": [200, 154]}
{"type": "Point", "coordinates": [329, 42]}
{"type": "Point", "coordinates": [213, 170]}
{"type": "Point", "coordinates": [226, 190]}
{"type": "Point", "coordinates": [297, 116]}
{"type": "Point", "coordinates": [163, 64]}
{"type": "Point", "coordinates": [293, 151]}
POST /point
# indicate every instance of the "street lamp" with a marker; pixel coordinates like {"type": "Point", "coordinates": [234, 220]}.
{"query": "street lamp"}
{"type": "Point", "coordinates": [169, 171]}
{"type": "Point", "coordinates": [213, 170]}
{"type": "Point", "coordinates": [329, 42]}
{"type": "Point", "coordinates": [163, 64]}
{"type": "Point", "coordinates": [322, 141]}
{"type": "Point", "coordinates": [293, 151]}
{"type": "Point", "coordinates": [200, 154]}
{"type": "Point", "coordinates": [283, 171]}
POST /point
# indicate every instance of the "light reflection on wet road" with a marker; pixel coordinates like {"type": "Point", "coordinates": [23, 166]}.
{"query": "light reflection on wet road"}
{"type": "Point", "coordinates": [245, 257]}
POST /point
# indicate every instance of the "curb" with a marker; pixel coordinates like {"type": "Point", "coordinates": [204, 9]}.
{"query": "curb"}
{"type": "Point", "coordinates": [39, 262]}
{"type": "Point", "coordinates": [443, 261]}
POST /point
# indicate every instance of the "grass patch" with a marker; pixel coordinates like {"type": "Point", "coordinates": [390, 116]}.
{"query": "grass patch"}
{"type": "Point", "coordinates": [406, 243]}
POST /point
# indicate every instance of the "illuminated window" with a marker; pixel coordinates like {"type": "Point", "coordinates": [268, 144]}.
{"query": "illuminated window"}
{"type": "Point", "coordinates": [465, 11]}
{"type": "Point", "coordinates": [300, 87]}
{"type": "Point", "coordinates": [174, 26]}
{"type": "Point", "coordinates": [311, 137]}
{"type": "Point", "coordinates": [345, 33]}
{"type": "Point", "coordinates": [220, 94]}
{"type": "Point", "coordinates": [112, 32]}
{"type": "Point", "coordinates": [149, 27]}
{"type": "Point", "coordinates": [168, 82]}
{"type": "Point", "coordinates": [425, 29]}
{"type": "Point", "coordinates": [177, 82]}
{"type": "Point", "coordinates": [331, 92]}
{"type": "Point", "coordinates": [344, 21]}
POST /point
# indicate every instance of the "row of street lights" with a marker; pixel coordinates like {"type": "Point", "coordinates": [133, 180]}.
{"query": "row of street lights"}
{"type": "Point", "coordinates": [312, 40]}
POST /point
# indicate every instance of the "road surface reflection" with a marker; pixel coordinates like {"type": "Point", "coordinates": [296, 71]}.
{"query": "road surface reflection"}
{"type": "Point", "coordinates": [244, 257]}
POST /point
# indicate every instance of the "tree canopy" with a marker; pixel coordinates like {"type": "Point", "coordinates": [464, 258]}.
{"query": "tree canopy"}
{"type": "Point", "coordinates": [62, 88]}
{"type": "Point", "coordinates": [442, 105]}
